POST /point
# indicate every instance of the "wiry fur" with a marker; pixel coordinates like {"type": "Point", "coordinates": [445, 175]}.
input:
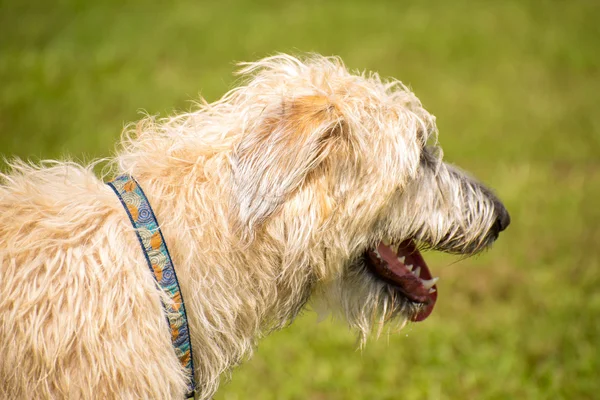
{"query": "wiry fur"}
{"type": "Point", "coordinates": [265, 197]}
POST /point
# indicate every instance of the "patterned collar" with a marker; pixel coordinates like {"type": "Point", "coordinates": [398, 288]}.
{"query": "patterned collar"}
{"type": "Point", "coordinates": [159, 260]}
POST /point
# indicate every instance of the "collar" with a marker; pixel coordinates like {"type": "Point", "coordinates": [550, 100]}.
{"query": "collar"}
{"type": "Point", "coordinates": [159, 261]}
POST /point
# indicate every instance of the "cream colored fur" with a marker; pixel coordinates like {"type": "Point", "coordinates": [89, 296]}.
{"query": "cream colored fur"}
{"type": "Point", "coordinates": [266, 197]}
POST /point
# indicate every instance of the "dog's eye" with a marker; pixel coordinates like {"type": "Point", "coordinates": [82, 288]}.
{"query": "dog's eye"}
{"type": "Point", "coordinates": [422, 137]}
{"type": "Point", "coordinates": [430, 155]}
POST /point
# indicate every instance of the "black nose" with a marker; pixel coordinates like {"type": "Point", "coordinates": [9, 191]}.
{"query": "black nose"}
{"type": "Point", "coordinates": [503, 217]}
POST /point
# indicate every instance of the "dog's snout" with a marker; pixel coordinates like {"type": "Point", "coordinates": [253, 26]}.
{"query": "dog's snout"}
{"type": "Point", "coordinates": [503, 217]}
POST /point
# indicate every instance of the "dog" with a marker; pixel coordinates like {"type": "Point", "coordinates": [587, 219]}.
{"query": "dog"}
{"type": "Point", "coordinates": [305, 182]}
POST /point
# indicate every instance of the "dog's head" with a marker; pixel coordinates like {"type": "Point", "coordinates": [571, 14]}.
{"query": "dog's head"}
{"type": "Point", "coordinates": [342, 176]}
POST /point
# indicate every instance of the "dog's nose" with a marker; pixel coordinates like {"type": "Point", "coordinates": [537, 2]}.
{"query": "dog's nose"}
{"type": "Point", "coordinates": [503, 218]}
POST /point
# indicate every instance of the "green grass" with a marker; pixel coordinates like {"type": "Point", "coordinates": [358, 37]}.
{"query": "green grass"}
{"type": "Point", "coordinates": [515, 86]}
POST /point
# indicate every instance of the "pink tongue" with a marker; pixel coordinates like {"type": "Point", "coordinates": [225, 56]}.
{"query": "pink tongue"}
{"type": "Point", "coordinates": [391, 269]}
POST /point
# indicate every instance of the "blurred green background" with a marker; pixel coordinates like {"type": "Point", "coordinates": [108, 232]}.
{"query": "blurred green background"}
{"type": "Point", "coordinates": [516, 88]}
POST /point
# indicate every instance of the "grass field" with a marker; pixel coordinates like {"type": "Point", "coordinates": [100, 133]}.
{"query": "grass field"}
{"type": "Point", "coordinates": [516, 89]}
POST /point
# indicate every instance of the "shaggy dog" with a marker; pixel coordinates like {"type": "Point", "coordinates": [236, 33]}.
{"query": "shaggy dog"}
{"type": "Point", "coordinates": [307, 181]}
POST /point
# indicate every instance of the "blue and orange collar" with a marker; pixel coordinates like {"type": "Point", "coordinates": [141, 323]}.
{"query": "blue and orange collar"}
{"type": "Point", "coordinates": [159, 260]}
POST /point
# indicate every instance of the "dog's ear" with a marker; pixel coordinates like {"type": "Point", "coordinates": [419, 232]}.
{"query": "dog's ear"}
{"type": "Point", "coordinates": [275, 158]}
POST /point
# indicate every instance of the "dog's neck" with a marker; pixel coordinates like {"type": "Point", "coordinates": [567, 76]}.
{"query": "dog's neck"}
{"type": "Point", "coordinates": [233, 291]}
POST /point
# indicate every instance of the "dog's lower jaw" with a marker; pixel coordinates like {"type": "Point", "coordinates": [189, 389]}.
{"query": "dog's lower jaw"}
{"type": "Point", "coordinates": [367, 304]}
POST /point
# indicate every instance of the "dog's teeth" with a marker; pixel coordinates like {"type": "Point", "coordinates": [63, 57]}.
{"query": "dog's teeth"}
{"type": "Point", "coordinates": [432, 290]}
{"type": "Point", "coordinates": [428, 283]}
{"type": "Point", "coordinates": [417, 272]}
{"type": "Point", "coordinates": [410, 267]}
{"type": "Point", "coordinates": [377, 254]}
{"type": "Point", "coordinates": [386, 241]}
{"type": "Point", "coordinates": [401, 259]}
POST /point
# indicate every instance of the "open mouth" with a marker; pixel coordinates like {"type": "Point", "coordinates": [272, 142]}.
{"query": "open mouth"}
{"type": "Point", "coordinates": [404, 268]}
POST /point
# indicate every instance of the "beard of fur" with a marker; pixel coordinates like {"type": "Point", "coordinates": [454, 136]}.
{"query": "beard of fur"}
{"type": "Point", "coordinates": [364, 302]}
